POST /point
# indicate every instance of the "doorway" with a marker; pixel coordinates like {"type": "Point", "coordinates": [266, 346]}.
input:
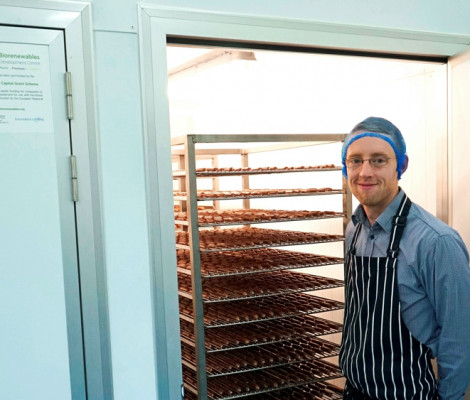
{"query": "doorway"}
{"type": "Point", "coordinates": [232, 90]}
{"type": "Point", "coordinates": [159, 26]}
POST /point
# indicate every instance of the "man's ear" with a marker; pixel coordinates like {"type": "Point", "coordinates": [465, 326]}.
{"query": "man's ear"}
{"type": "Point", "coordinates": [404, 166]}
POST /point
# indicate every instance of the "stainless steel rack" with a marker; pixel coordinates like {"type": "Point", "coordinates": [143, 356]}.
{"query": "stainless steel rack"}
{"type": "Point", "coordinates": [249, 194]}
{"type": "Point", "coordinates": [264, 309]}
{"type": "Point", "coordinates": [210, 218]}
{"type": "Point", "coordinates": [316, 390]}
{"type": "Point", "coordinates": [265, 332]}
{"type": "Point", "coordinates": [250, 171]}
{"type": "Point", "coordinates": [264, 381]}
{"type": "Point", "coordinates": [255, 358]}
{"type": "Point", "coordinates": [252, 261]}
{"type": "Point", "coordinates": [255, 286]}
{"type": "Point", "coordinates": [246, 317]}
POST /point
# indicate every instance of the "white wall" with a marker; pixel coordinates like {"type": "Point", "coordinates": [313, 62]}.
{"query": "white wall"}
{"type": "Point", "coordinates": [120, 129]}
{"type": "Point", "coordinates": [420, 15]}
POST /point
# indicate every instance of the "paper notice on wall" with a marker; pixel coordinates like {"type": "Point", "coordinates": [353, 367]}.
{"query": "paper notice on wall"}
{"type": "Point", "coordinates": [25, 88]}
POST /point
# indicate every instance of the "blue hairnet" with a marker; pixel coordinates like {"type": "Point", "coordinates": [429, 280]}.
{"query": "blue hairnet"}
{"type": "Point", "coordinates": [382, 129]}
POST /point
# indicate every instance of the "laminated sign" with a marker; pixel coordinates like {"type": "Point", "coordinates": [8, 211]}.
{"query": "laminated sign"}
{"type": "Point", "coordinates": [25, 89]}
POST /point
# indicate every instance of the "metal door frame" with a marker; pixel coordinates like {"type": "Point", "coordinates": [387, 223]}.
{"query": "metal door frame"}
{"type": "Point", "coordinates": [158, 25]}
{"type": "Point", "coordinates": [74, 18]}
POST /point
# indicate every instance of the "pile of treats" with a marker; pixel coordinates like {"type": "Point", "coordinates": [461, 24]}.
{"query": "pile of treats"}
{"type": "Point", "coordinates": [277, 330]}
{"type": "Point", "coordinates": [273, 354]}
{"type": "Point", "coordinates": [252, 285]}
{"type": "Point", "coordinates": [264, 379]}
{"type": "Point", "coordinates": [313, 391]}
{"type": "Point", "coordinates": [219, 170]}
{"type": "Point", "coordinates": [253, 260]}
{"type": "Point", "coordinates": [224, 313]}
{"type": "Point", "coordinates": [251, 215]}
{"type": "Point", "coordinates": [248, 237]}
{"type": "Point", "coordinates": [205, 194]}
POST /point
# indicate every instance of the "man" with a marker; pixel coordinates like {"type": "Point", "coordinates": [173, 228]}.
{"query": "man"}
{"type": "Point", "coordinates": [407, 281]}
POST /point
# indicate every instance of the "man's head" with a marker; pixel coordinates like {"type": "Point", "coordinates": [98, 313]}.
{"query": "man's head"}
{"type": "Point", "coordinates": [374, 157]}
{"type": "Point", "coordinates": [382, 129]}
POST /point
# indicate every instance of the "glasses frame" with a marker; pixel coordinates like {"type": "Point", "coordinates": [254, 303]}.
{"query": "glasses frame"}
{"type": "Point", "coordinates": [371, 161]}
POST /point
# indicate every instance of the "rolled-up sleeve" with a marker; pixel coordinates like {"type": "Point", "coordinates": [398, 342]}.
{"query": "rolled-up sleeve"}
{"type": "Point", "coordinates": [447, 281]}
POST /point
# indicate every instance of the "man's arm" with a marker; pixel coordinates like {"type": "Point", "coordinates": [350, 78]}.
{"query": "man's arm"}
{"type": "Point", "coordinates": [448, 286]}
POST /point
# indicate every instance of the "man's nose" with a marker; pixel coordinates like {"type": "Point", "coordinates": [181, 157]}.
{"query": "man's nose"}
{"type": "Point", "coordinates": [365, 168]}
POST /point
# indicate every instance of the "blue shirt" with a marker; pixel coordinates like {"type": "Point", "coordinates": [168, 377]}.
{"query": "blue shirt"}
{"type": "Point", "coordinates": [433, 278]}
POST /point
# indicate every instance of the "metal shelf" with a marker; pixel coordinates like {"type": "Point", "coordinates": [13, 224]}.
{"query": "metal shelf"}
{"type": "Point", "coordinates": [230, 362]}
{"type": "Point", "coordinates": [261, 143]}
{"type": "Point", "coordinates": [260, 333]}
{"type": "Point", "coordinates": [287, 193]}
{"type": "Point", "coordinates": [260, 246]}
{"type": "Point", "coordinates": [317, 390]}
{"type": "Point", "coordinates": [219, 172]}
{"type": "Point", "coordinates": [229, 387]}
{"type": "Point", "coordinates": [257, 286]}
{"type": "Point", "coordinates": [269, 308]}
{"type": "Point", "coordinates": [260, 220]}
{"type": "Point", "coordinates": [254, 261]}
{"type": "Point", "coordinates": [252, 238]}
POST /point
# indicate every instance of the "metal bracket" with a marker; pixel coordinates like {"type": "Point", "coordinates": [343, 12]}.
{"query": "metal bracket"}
{"type": "Point", "coordinates": [68, 94]}
{"type": "Point", "coordinates": [73, 172]}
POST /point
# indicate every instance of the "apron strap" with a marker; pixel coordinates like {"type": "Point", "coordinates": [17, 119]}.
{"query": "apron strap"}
{"type": "Point", "coordinates": [398, 226]}
{"type": "Point", "coordinates": [352, 246]}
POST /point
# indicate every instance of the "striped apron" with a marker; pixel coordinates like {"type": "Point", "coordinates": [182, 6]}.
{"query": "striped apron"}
{"type": "Point", "coordinates": [379, 357]}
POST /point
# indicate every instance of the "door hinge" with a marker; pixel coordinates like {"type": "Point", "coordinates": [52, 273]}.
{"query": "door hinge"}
{"type": "Point", "coordinates": [73, 173]}
{"type": "Point", "coordinates": [68, 94]}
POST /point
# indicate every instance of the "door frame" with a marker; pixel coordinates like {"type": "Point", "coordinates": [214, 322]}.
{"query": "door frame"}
{"type": "Point", "coordinates": [156, 26]}
{"type": "Point", "coordinates": [74, 18]}
{"type": "Point", "coordinates": [458, 123]}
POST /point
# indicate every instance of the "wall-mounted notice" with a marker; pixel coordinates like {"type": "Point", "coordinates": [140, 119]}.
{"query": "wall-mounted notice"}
{"type": "Point", "coordinates": [25, 88]}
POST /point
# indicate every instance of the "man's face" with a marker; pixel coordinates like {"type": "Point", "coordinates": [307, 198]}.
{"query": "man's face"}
{"type": "Point", "coordinates": [375, 188]}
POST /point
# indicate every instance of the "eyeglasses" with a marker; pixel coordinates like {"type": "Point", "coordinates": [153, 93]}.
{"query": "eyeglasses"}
{"type": "Point", "coordinates": [375, 162]}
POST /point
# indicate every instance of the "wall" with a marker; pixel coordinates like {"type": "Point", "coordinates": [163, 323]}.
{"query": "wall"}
{"type": "Point", "coordinates": [420, 15]}
{"type": "Point", "coordinates": [120, 128]}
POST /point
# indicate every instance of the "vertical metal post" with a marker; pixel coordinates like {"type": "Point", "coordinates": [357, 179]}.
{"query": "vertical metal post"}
{"type": "Point", "coordinates": [245, 179]}
{"type": "Point", "coordinates": [182, 182]}
{"type": "Point", "coordinates": [215, 181]}
{"type": "Point", "coordinates": [195, 259]}
{"type": "Point", "coordinates": [347, 207]}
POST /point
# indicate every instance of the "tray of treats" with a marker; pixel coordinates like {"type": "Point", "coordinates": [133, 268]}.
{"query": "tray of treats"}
{"type": "Point", "coordinates": [272, 331]}
{"type": "Point", "coordinates": [264, 356]}
{"type": "Point", "coordinates": [254, 193]}
{"type": "Point", "coordinates": [249, 237]}
{"type": "Point", "coordinates": [256, 285]}
{"type": "Point", "coordinates": [312, 391]}
{"type": "Point", "coordinates": [252, 261]}
{"type": "Point", "coordinates": [212, 217]}
{"type": "Point", "coordinates": [221, 171]}
{"type": "Point", "coordinates": [260, 309]}
{"type": "Point", "coordinates": [263, 380]}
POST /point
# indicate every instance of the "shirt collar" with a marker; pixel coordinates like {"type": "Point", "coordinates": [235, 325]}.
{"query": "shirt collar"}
{"type": "Point", "coordinates": [385, 219]}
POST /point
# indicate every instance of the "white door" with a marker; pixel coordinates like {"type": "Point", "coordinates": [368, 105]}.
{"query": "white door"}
{"type": "Point", "coordinates": [41, 346]}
